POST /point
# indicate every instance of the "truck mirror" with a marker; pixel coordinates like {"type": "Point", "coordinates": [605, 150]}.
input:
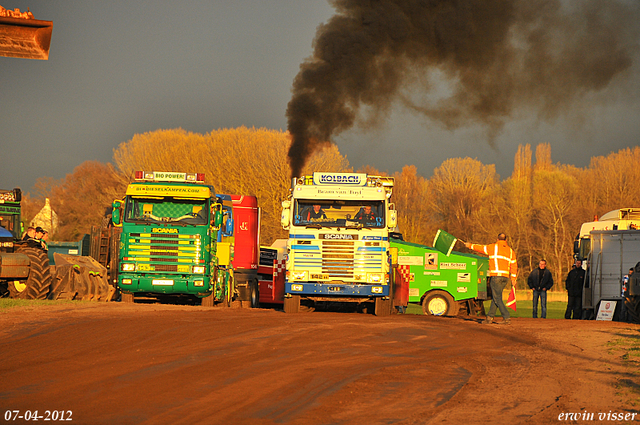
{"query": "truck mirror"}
{"type": "Point", "coordinates": [229, 227]}
{"type": "Point", "coordinates": [393, 219]}
{"type": "Point", "coordinates": [217, 220]}
{"type": "Point", "coordinates": [115, 215]}
{"type": "Point", "coordinates": [284, 217]}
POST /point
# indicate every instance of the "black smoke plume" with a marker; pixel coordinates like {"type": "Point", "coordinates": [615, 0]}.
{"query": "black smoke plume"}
{"type": "Point", "coordinates": [495, 55]}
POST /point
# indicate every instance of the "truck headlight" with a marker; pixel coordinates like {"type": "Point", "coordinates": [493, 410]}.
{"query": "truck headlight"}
{"type": "Point", "coordinates": [299, 275]}
{"type": "Point", "coordinates": [198, 269]}
{"type": "Point", "coordinates": [374, 277]}
{"type": "Point", "coordinates": [128, 267]}
{"type": "Point", "coordinates": [126, 281]}
{"type": "Point", "coordinates": [198, 283]}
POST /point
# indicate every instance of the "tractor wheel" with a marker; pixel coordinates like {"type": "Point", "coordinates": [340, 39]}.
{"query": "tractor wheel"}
{"type": "Point", "coordinates": [16, 287]}
{"type": "Point", "coordinates": [39, 280]}
{"type": "Point", "coordinates": [382, 307]}
{"type": "Point", "coordinates": [439, 303]}
{"type": "Point", "coordinates": [292, 304]}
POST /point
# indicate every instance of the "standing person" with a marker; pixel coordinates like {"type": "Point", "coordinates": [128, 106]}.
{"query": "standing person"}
{"type": "Point", "coordinates": [502, 267]}
{"type": "Point", "coordinates": [29, 234]}
{"type": "Point", "coordinates": [573, 283]}
{"type": "Point", "coordinates": [540, 280]}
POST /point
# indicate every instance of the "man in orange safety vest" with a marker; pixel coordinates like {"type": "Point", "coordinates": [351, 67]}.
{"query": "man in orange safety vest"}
{"type": "Point", "coordinates": [502, 267]}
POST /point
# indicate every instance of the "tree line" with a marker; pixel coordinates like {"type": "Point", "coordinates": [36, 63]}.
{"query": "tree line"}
{"type": "Point", "coordinates": [540, 206]}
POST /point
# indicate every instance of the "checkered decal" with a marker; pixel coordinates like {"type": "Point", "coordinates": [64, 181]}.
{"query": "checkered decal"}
{"type": "Point", "coordinates": [278, 267]}
{"type": "Point", "coordinates": [405, 273]}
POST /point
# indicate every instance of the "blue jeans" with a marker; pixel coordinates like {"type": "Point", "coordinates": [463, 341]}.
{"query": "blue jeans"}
{"type": "Point", "coordinates": [543, 303]}
{"type": "Point", "coordinates": [497, 284]}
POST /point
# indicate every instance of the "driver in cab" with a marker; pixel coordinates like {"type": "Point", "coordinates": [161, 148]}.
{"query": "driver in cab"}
{"type": "Point", "coordinates": [316, 213]}
{"type": "Point", "coordinates": [365, 214]}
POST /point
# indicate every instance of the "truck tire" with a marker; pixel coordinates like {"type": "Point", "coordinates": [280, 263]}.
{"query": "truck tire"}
{"type": "Point", "coordinates": [255, 294]}
{"type": "Point", "coordinates": [292, 304]}
{"type": "Point", "coordinates": [633, 309]}
{"type": "Point", "coordinates": [382, 307]}
{"type": "Point", "coordinates": [207, 301]}
{"type": "Point", "coordinates": [39, 279]}
{"type": "Point", "coordinates": [127, 297]}
{"type": "Point", "coordinates": [439, 303]}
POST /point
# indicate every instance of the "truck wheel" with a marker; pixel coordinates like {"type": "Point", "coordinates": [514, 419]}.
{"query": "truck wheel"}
{"type": "Point", "coordinates": [382, 307]}
{"type": "Point", "coordinates": [39, 279]}
{"type": "Point", "coordinates": [438, 303]}
{"type": "Point", "coordinates": [633, 309]}
{"type": "Point", "coordinates": [127, 297]}
{"type": "Point", "coordinates": [292, 304]}
{"type": "Point", "coordinates": [255, 294]}
{"type": "Point", "coordinates": [207, 301]}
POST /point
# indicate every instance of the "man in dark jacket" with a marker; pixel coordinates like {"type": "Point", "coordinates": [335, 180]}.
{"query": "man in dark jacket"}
{"type": "Point", "coordinates": [574, 282]}
{"type": "Point", "coordinates": [540, 280]}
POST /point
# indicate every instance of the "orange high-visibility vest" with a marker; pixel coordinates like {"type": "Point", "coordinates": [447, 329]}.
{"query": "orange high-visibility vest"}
{"type": "Point", "coordinates": [502, 259]}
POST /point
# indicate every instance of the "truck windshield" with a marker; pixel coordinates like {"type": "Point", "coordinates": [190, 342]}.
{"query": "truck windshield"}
{"type": "Point", "coordinates": [334, 213]}
{"type": "Point", "coordinates": [167, 210]}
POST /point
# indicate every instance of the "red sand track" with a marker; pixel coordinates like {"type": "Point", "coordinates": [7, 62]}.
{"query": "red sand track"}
{"type": "Point", "coordinates": [112, 363]}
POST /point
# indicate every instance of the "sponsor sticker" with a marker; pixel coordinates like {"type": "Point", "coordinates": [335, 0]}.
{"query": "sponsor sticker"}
{"type": "Point", "coordinates": [414, 292]}
{"type": "Point", "coordinates": [453, 266]}
{"type": "Point", "coordinates": [464, 277]}
{"type": "Point", "coordinates": [432, 273]}
{"type": "Point", "coordinates": [439, 283]}
{"type": "Point", "coordinates": [462, 289]}
{"type": "Point", "coordinates": [431, 261]}
{"type": "Point", "coordinates": [406, 260]}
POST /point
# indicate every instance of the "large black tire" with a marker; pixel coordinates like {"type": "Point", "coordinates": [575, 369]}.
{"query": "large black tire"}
{"type": "Point", "coordinates": [439, 303]}
{"type": "Point", "coordinates": [632, 304]}
{"type": "Point", "coordinates": [255, 294]}
{"type": "Point", "coordinates": [292, 304]}
{"type": "Point", "coordinates": [207, 301]}
{"type": "Point", "coordinates": [382, 307]}
{"type": "Point", "coordinates": [39, 279]}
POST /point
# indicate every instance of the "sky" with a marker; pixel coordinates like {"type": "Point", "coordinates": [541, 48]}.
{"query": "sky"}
{"type": "Point", "coordinates": [119, 68]}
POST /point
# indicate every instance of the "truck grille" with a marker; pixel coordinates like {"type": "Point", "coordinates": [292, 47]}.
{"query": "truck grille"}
{"type": "Point", "coordinates": [164, 252]}
{"type": "Point", "coordinates": [337, 258]}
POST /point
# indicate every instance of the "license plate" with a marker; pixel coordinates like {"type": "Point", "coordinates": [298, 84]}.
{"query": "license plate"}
{"type": "Point", "coordinates": [162, 282]}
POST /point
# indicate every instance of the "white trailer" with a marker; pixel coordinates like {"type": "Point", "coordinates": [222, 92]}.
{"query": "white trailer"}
{"type": "Point", "coordinates": [612, 253]}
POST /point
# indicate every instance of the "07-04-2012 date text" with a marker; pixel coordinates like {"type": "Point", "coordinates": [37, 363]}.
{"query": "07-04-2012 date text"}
{"type": "Point", "coordinates": [47, 415]}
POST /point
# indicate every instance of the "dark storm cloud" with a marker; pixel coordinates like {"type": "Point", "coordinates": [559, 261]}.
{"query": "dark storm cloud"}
{"type": "Point", "coordinates": [495, 56]}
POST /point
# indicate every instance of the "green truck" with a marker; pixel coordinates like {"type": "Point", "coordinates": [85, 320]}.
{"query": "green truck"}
{"type": "Point", "coordinates": [176, 239]}
{"type": "Point", "coordinates": [441, 284]}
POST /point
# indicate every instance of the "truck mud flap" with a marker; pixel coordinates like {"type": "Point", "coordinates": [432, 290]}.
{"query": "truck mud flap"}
{"type": "Point", "coordinates": [80, 278]}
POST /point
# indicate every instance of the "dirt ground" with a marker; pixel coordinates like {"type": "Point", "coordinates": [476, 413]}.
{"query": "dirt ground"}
{"type": "Point", "coordinates": [113, 363]}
